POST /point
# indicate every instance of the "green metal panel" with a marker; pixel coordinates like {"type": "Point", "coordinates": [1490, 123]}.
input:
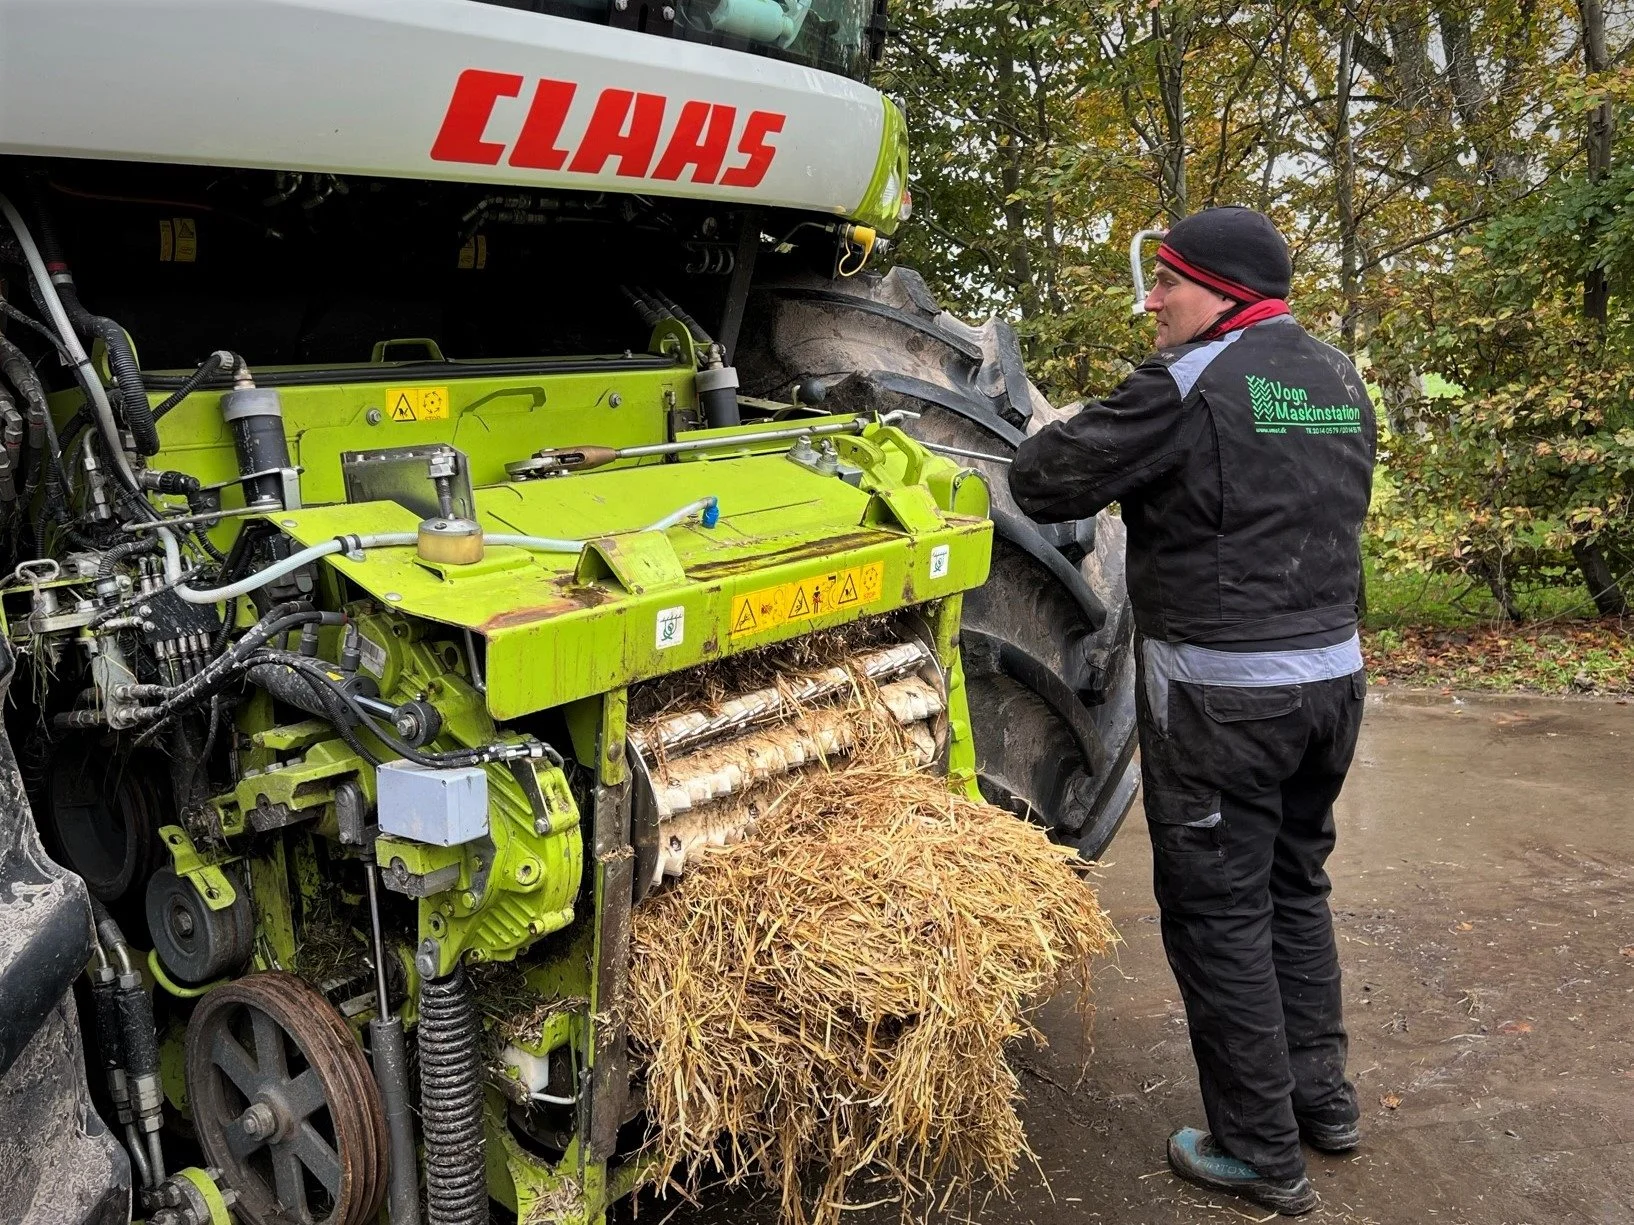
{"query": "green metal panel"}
{"type": "Point", "coordinates": [554, 637]}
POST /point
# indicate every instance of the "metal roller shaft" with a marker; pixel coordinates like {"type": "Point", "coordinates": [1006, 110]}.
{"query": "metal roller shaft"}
{"type": "Point", "coordinates": [690, 729]}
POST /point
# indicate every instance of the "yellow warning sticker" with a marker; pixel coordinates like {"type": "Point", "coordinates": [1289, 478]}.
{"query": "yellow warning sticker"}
{"type": "Point", "coordinates": [417, 403]}
{"type": "Point", "coordinates": [187, 240]}
{"type": "Point", "coordinates": [178, 240]}
{"type": "Point", "coordinates": [771, 607]}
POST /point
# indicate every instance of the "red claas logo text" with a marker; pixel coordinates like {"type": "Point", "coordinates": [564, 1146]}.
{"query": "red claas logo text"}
{"type": "Point", "coordinates": [709, 143]}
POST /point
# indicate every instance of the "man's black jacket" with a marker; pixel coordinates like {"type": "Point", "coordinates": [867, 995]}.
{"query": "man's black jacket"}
{"type": "Point", "coordinates": [1243, 466]}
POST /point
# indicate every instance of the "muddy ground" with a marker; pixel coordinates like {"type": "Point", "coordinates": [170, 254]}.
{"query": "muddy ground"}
{"type": "Point", "coordinates": [1484, 899]}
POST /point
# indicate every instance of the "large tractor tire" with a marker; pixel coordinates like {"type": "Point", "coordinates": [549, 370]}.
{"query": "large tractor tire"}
{"type": "Point", "coordinates": [1047, 640]}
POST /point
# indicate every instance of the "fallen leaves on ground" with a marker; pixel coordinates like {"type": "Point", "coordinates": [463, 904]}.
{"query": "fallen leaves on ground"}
{"type": "Point", "coordinates": [1592, 655]}
{"type": "Point", "coordinates": [1515, 1027]}
{"type": "Point", "coordinates": [1390, 1100]}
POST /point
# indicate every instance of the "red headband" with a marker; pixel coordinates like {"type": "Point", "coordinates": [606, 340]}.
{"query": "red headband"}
{"type": "Point", "coordinates": [1202, 276]}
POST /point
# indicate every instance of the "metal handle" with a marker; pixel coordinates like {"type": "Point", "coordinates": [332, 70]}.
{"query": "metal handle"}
{"type": "Point", "coordinates": [1137, 272]}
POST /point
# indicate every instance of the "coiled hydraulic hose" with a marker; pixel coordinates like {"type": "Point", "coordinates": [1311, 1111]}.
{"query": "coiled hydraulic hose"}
{"type": "Point", "coordinates": [450, 1042]}
{"type": "Point", "coordinates": [391, 540]}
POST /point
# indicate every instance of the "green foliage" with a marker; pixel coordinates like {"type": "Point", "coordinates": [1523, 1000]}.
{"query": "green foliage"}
{"type": "Point", "coordinates": [1428, 165]}
{"type": "Point", "coordinates": [1526, 449]}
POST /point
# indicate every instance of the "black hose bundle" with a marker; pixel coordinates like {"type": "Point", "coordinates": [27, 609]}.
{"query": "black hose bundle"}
{"type": "Point", "coordinates": [450, 1042]}
{"type": "Point", "coordinates": [44, 464]}
{"type": "Point", "coordinates": [117, 554]}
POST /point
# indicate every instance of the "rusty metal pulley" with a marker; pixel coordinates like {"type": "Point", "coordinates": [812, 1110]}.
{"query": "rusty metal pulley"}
{"type": "Point", "coordinates": [285, 1105]}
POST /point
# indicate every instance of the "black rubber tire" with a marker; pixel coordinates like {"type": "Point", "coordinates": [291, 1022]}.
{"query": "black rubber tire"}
{"type": "Point", "coordinates": [1046, 642]}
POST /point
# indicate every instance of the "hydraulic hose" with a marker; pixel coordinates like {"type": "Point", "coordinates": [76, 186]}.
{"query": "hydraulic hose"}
{"type": "Point", "coordinates": [117, 554]}
{"type": "Point", "coordinates": [450, 1041]}
{"type": "Point", "coordinates": [83, 372]}
{"type": "Point", "coordinates": [138, 1048]}
{"type": "Point", "coordinates": [397, 540]}
{"type": "Point", "coordinates": [39, 432]}
{"type": "Point", "coordinates": [127, 374]}
{"type": "Point", "coordinates": [219, 362]}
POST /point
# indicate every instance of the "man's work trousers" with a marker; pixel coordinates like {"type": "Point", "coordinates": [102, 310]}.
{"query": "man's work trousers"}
{"type": "Point", "coordinates": [1239, 790]}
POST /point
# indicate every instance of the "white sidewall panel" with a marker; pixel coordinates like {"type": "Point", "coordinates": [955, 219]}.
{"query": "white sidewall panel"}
{"type": "Point", "coordinates": [364, 87]}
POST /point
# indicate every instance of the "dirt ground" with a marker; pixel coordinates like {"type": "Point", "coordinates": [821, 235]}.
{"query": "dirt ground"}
{"type": "Point", "coordinates": [1484, 900]}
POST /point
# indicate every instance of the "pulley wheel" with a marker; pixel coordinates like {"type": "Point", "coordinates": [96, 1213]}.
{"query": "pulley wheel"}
{"type": "Point", "coordinates": [101, 827]}
{"type": "Point", "coordinates": [195, 943]}
{"type": "Point", "coordinates": [284, 1104]}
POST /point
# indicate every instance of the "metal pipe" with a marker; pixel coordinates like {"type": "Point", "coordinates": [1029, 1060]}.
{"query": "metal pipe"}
{"type": "Point", "coordinates": [1137, 271]}
{"type": "Point", "coordinates": [395, 540]}
{"type": "Point", "coordinates": [943, 449]}
{"type": "Point", "coordinates": [390, 1053]}
{"type": "Point", "coordinates": [156, 1158]}
{"type": "Point", "coordinates": [382, 998]}
{"type": "Point", "coordinates": [133, 1142]}
{"type": "Point", "coordinates": [705, 444]}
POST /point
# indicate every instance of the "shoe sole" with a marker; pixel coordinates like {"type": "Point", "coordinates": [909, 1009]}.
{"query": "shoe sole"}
{"type": "Point", "coordinates": [1266, 1197]}
{"type": "Point", "coordinates": [1342, 1142]}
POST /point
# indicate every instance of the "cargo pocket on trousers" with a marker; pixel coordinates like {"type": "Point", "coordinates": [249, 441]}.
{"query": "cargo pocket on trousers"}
{"type": "Point", "coordinates": [1236, 704]}
{"type": "Point", "coordinates": [1188, 850]}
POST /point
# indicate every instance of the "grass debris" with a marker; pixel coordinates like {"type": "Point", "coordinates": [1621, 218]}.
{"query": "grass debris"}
{"type": "Point", "coordinates": [836, 993]}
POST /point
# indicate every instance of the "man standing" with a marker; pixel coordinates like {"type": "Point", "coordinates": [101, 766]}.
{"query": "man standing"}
{"type": "Point", "coordinates": [1241, 452]}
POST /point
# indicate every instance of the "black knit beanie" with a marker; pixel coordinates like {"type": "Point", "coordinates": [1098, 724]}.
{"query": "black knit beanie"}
{"type": "Point", "coordinates": [1233, 251]}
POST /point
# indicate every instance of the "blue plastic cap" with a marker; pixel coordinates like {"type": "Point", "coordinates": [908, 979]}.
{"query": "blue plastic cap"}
{"type": "Point", "coordinates": [712, 513]}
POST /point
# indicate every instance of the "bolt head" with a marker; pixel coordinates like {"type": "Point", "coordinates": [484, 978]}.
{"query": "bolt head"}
{"type": "Point", "coordinates": [614, 400]}
{"type": "Point", "coordinates": [669, 13]}
{"type": "Point", "coordinates": [427, 957]}
{"type": "Point", "coordinates": [374, 416]}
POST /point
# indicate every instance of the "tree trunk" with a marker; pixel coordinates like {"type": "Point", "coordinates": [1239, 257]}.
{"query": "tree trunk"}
{"type": "Point", "coordinates": [1609, 600]}
{"type": "Point", "coordinates": [1498, 584]}
{"type": "Point", "coordinates": [1170, 42]}
{"type": "Point", "coordinates": [1596, 287]}
{"type": "Point", "coordinates": [1597, 574]}
{"type": "Point", "coordinates": [1344, 176]}
{"type": "Point", "coordinates": [1015, 212]}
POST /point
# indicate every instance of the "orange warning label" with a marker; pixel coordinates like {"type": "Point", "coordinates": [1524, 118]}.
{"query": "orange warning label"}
{"type": "Point", "coordinates": [857, 586]}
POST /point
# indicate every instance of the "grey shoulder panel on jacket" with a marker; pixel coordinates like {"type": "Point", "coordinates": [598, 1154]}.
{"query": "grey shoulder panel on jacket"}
{"type": "Point", "coordinates": [1186, 363]}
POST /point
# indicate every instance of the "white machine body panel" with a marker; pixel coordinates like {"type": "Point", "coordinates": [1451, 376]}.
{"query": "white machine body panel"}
{"type": "Point", "coordinates": [429, 89]}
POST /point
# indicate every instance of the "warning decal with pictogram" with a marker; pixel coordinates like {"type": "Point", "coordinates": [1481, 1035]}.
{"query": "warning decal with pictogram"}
{"type": "Point", "coordinates": [417, 403]}
{"type": "Point", "coordinates": [811, 597]}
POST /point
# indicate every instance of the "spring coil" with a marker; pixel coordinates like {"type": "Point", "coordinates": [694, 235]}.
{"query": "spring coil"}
{"type": "Point", "coordinates": [450, 1041]}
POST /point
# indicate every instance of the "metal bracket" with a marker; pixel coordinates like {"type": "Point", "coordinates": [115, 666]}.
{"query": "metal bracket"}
{"type": "Point", "coordinates": [214, 886]}
{"type": "Point", "coordinates": [400, 475]}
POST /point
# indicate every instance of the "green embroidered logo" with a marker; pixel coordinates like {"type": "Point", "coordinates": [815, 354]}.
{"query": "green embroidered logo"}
{"type": "Point", "coordinates": [1279, 408]}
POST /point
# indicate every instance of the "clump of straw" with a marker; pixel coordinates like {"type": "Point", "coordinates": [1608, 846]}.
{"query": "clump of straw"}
{"type": "Point", "coordinates": [836, 992]}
